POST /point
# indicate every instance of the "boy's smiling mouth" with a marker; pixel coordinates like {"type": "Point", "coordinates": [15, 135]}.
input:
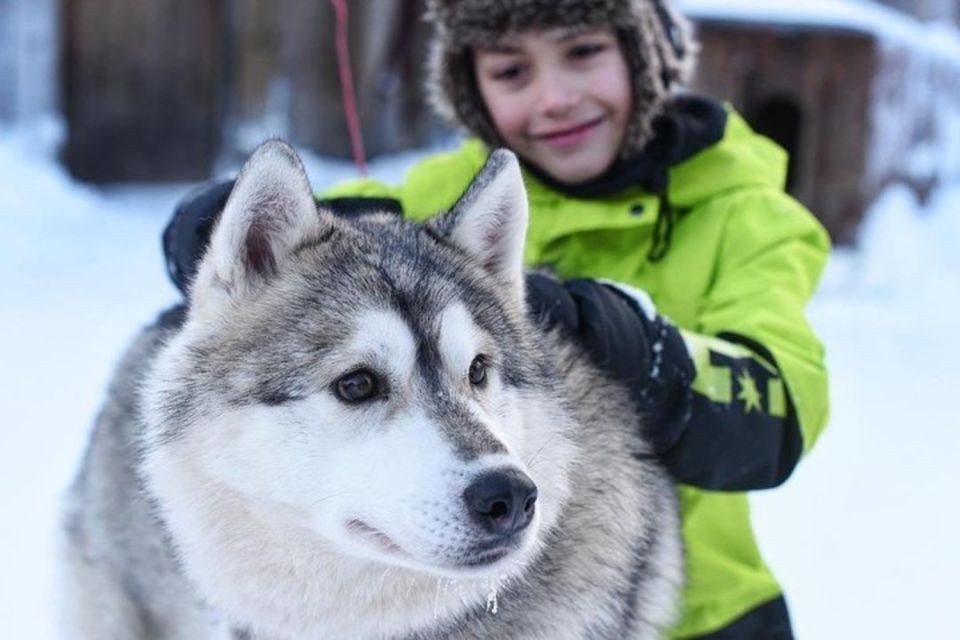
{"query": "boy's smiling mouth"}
{"type": "Point", "coordinates": [569, 136]}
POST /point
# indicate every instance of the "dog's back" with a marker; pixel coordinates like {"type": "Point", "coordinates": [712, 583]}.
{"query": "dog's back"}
{"type": "Point", "coordinates": [356, 432]}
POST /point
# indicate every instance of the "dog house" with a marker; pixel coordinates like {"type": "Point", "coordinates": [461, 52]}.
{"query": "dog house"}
{"type": "Point", "coordinates": [854, 99]}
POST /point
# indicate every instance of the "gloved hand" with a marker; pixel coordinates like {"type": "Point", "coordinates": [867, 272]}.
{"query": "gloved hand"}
{"type": "Point", "coordinates": [186, 236]}
{"type": "Point", "coordinates": [626, 338]}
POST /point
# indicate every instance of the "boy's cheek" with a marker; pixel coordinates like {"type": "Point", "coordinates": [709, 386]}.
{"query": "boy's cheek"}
{"type": "Point", "coordinates": [509, 117]}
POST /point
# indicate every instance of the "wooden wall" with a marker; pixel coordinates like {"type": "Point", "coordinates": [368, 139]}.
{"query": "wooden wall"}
{"type": "Point", "coordinates": [160, 89]}
{"type": "Point", "coordinates": [141, 84]}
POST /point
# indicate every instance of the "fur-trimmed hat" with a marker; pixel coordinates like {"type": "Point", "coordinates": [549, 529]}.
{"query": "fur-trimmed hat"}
{"type": "Point", "coordinates": [657, 42]}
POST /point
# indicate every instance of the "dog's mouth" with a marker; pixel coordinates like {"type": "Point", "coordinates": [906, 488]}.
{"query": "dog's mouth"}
{"type": "Point", "coordinates": [489, 553]}
{"type": "Point", "coordinates": [484, 559]}
{"type": "Point", "coordinates": [378, 538]}
{"type": "Point", "coordinates": [477, 557]}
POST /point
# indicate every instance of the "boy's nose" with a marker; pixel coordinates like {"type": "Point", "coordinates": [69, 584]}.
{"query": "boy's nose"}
{"type": "Point", "coordinates": [558, 96]}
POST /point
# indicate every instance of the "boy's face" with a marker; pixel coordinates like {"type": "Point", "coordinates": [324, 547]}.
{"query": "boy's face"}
{"type": "Point", "coordinates": [560, 99]}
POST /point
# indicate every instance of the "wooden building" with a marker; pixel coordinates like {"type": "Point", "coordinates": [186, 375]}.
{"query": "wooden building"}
{"type": "Point", "coordinates": [788, 85]}
{"type": "Point", "coordinates": [858, 105]}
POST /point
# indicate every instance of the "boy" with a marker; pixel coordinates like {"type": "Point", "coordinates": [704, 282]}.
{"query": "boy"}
{"type": "Point", "coordinates": [670, 194]}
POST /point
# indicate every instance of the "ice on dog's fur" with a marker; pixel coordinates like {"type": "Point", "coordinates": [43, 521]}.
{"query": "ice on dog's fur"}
{"type": "Point", "coordinates": [355, 431]}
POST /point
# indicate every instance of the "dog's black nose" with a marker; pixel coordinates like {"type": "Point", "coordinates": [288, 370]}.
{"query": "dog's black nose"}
{"type": "Point", "coordinates": [502, 501]}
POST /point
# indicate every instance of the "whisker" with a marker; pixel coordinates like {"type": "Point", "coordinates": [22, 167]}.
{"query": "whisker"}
{"type": "Point", "coordinates": [532, 459]}
{"type": "Point", "coordinates": [329, 497]}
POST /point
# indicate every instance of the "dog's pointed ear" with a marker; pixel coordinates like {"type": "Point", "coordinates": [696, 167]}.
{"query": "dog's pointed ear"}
{"type": "Point", "coordinates": [270, 212]}
{"type": "Point", "coordinates": [489, 221]}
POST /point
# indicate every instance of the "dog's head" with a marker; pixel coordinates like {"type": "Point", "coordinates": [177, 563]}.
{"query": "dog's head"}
{"type": "Point", "coordinates": [373, 384]}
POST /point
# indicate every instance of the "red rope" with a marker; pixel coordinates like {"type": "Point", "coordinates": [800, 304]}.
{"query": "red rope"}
{"type": "Point", "coordinates": [346, 83]}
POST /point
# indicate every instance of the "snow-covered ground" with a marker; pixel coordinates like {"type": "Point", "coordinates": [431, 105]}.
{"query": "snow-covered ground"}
{"type": "Point", "coordinates": [863, 536]}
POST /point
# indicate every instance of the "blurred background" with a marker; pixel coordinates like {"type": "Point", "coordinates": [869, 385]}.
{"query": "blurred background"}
{"type": "Point", "coordinates": [111, 109]}
{"type": "Point", "coordinates": [169, 90]}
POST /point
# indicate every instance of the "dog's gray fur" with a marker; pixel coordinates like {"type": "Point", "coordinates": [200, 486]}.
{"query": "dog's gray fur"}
{"type": "Point", "coordinates": [203, 506]}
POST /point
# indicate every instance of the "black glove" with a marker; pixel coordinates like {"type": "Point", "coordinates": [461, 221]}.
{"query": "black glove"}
{"type": "Point", "coordinates": [186, 237]}
{"type": "Point", "coordinates": [647, 355]}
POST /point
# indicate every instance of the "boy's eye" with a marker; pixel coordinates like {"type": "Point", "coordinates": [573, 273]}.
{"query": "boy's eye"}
{"type": "Point", "coordinates": [586, 50]}
{"type": "Point", "coordinates": [508, 73]}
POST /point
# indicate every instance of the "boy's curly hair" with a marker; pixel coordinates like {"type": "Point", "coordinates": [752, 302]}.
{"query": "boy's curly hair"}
{"type": "Point", "coordinates": [657, 42]}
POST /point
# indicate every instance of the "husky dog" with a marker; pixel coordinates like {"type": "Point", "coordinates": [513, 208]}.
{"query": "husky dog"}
{"type": "Point", "coordinates": [354, 430]}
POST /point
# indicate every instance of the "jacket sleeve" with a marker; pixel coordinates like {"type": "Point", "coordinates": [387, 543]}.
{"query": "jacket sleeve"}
{"type": "Point", "coordinates": [359, 188]}
{"type": "Point", "coordinates": [760, 391]}
{"type": "Point", "coordinates": [361, 195]}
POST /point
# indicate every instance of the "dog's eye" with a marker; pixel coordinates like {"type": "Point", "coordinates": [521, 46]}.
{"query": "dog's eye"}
{"type": "Point", "coordinates": [358, 386]}
{"type": "Point", "coordinates": [478, 371]}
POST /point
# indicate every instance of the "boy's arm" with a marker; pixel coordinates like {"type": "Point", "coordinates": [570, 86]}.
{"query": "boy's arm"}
{"type": "Point", "coordinates": [761, 395]}
{"type": "Point", "coordinates": [758, 395]}
{"type": "Point", "coordinates": [743, 431]}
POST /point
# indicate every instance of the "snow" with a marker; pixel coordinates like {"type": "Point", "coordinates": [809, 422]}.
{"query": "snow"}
{"type": "Point", "coordinates": [862, 536]}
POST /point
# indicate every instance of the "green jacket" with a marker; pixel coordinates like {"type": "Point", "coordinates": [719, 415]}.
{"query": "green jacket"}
{"type": "Point", "coordinates": [743, 262]}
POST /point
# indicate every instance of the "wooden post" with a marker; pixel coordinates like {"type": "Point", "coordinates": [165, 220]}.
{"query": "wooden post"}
{"type": "Point", "coordinates": [387, 45]}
